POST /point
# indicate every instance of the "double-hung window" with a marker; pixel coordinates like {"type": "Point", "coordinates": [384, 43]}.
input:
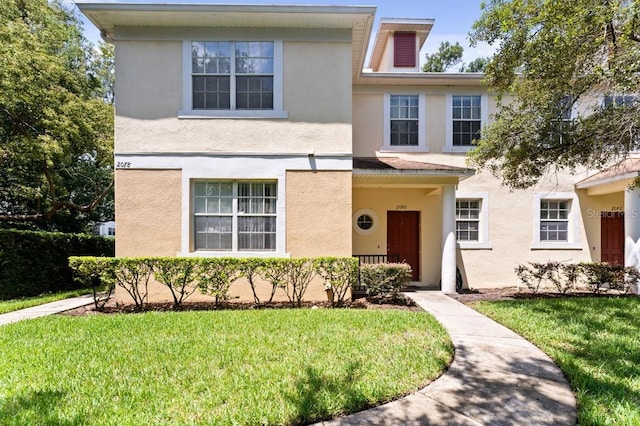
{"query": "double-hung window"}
{"type": "Point", "coordinates": [466, 114]}
{"type": "Point", "coordinates": [404, 120]}
{"type": "Point", "coordinates": [554, 220]}
{"type": "Point", "coordinates": [233, 79]}
{"type": "Point", "coordinates": [467, 119]}
{"type": "Point", "coordinates": [235, 215]}
{"type": "Point", "coordinates": [404, 123]}
{"type": "Point", "coordinates": [468, 220]}
{"type": "Point", "coordinates": [472, 220]}
{"type": "Point", "coordinates": [232, 75]}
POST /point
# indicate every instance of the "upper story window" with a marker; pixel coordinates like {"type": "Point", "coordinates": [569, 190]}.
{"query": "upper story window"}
{"type": "Point", "coordinates": [404, 120]}
{"type": "Point", "coordinates": [466, 119]}
{"type": "Point", "coordinates": [465, 116]}
{"type": "Point", "coordinates": [618, 100]}
{"type": "Point", "coordinates": [223, 81]}
{"type": "Point", "coordinates": [233, 79]}
{"type": "Point", "coordinates": [404, 127]}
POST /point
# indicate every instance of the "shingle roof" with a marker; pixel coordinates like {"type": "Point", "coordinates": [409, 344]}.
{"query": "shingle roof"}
{"type": "Point", "coordinates": [394, 163]}
{"type": "Point", "coordinates": [619, 171]}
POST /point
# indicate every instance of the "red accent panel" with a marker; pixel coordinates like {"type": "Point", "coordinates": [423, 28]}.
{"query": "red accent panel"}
{"type": "Point", "coordinates": [404, 48]}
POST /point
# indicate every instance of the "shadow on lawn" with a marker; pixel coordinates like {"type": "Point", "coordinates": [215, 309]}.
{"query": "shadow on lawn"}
{"type": "Point", "coordinates": [318, 395]}
{"type": "Point", "coordinates": [36, 408]}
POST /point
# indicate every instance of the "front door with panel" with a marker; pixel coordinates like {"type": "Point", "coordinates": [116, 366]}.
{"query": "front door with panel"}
{"type": "Point", "coordinates": [612, 238]}
{"type": "Point", "coordinates": [403, 238]}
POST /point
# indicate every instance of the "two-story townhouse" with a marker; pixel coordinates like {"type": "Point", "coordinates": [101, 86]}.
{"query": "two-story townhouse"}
{"type": "Point", "coordinates": [261, 131]}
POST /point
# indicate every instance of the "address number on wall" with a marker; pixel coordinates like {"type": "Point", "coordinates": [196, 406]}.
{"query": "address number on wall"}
{"type": "Point", "coordinates": [123, 164]}
{"type": "Point", "coordinates": [401, 207]}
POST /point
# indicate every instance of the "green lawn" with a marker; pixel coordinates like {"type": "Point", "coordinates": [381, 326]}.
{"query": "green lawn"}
{"type": "Point", "coordinates": [27, 302]}
{"type": "Point", "coordinates": [596, 342]}
{"type": "Point", "coordinates": [217, 367]}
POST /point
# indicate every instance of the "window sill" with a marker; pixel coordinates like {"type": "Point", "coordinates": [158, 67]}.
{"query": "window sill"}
{"type": "Point", "coordinates": [556, 246]}
{"type": "Point", "coordinates": [210, 114]}
{"type": "Point", "coordinates": [241, 254]}
{"type": "Point", "coordinates": [471, 245]}
{"type": "Point", "coordinates": [403, 148]}
{"type": "Point", "coordinates": [458, 149]}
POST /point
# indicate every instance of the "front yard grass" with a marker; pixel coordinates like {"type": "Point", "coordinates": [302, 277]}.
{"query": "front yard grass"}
{"type": "Point", "coordinates": [216, 367]}
{"type": "Point", "coordinates": [28, 302]}
{"type": "Point", "coordinates": [594, 340]}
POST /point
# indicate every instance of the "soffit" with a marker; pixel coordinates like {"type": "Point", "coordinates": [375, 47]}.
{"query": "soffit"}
{"type": "Point", "coordinates": [419, 79]}
{"type": "Point", "coordinates": [108, 16]}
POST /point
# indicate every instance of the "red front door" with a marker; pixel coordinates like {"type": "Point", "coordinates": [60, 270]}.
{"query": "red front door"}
{"type": "Point", "coordinates": [612, 238]}
{"type": "Point", "coordinates": [403, 238]}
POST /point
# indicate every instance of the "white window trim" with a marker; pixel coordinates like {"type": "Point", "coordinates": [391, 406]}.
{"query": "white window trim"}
{"type": "Point", "coordinates": [278, 87]}
{"type": "Point", "coordinates": [483, 242]}
{"type": "Point", "coordinates": [422, 133]}
{"type": "Point", "coordinates": [573, 228]}
{"type": "Point", "coordinates": [484, 117]}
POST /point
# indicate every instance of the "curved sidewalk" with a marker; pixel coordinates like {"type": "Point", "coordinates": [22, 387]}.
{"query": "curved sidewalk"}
{"type": "Point", "coordinates": [496, 378]}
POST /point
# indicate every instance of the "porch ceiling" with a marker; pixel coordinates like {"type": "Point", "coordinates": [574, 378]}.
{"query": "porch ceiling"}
{"type": "Point", "coordinates": [612, 179]}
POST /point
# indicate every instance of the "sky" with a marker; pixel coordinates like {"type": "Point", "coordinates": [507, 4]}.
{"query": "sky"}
{"type": "Point", "coordinates": [453, 18]}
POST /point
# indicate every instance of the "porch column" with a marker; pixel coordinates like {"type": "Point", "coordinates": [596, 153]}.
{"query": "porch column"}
{"type": "Point", "coordinates": [448, 270]}
{"type": "Point", "coordinates": [632, 230]}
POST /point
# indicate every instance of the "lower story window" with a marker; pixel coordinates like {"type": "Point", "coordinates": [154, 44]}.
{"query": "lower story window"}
{"type": "Point", "coordinates": [468, 220]}
{"type": "Point", "coordinates": [554, 220]}
{"type": "Point", "coordinates": [235, 215]}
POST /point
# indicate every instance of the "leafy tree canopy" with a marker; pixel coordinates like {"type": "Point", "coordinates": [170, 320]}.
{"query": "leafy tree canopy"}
{"type": "Point", "coordinates": [56, 143]}
{"type": "Point", "coordinates": [557, 61]}
{"type": "Point", "coordinates": [448, 56]}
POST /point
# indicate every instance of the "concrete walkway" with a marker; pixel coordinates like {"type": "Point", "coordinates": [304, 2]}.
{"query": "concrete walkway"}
{"type": "Point", "coordinates": [46, 309]}
{"type": "Point", "coordinates": [496, 378]}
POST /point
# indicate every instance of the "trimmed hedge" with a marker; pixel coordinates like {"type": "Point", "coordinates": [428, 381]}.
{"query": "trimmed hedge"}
{"type": "Point", "coordinates": [33, 263]}
{"type": "Point", "coordinates": [214, 276]}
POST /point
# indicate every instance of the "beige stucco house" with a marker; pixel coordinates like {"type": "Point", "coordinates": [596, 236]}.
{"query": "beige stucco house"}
{"type": "Point", "coordinates": [264, 130]}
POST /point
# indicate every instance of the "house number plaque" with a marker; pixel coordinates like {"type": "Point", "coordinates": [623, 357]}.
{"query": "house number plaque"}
{"type": "Point", "coordinates": [401, 207]}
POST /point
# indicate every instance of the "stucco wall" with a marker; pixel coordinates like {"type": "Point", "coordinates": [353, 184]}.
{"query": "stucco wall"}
{"type": "Point", "coordinates": [511, 232]}
{"type": "Point", "coordinates": [148, 212]}
{"type": "Point", "coordinates": [317, 96]}
{"type": "Point", "coordinates": [318, 213]}
{"type": "Point", "coordinates": [368, 117]}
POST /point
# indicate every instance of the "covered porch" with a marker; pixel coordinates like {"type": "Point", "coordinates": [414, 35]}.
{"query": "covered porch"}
{"type": "Point", "coordinates": [611, 212]}
{"type": "Point", "coordinates": [405, 211]}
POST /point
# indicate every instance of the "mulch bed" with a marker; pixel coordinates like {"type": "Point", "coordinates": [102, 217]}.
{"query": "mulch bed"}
{"type": "Point", "coordinates": [469, 296]}
{"type": "Point", "coordinates": [513, 293]}
{"type": "Point", "coordinates": [112, 307]}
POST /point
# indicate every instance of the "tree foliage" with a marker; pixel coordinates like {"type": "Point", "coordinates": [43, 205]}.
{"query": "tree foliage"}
{"type": "Point", "coordinates": [447, 56]}
{"type": "Point", "coordinates": [556, 62]}
{"type": "Point", "coordinates": [56, 130]}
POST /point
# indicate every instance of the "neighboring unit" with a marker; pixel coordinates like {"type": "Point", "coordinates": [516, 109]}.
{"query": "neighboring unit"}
{"type": "Point", "coordinates": [259, 130]}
